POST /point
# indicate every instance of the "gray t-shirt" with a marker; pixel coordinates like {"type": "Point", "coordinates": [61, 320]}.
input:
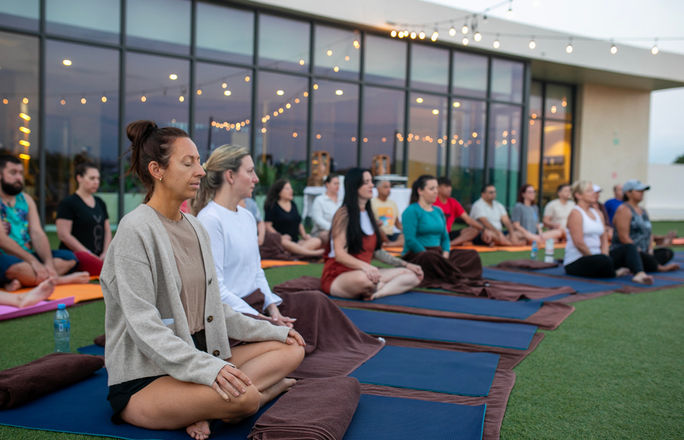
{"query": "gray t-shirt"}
{"type": "Point", "coordinates": [527, 216]}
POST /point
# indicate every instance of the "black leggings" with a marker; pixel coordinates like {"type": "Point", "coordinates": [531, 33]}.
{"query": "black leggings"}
{"type": "Point", "coordinates": [626, 255]}
{"type": "Point", "coordinates": [592, 266]}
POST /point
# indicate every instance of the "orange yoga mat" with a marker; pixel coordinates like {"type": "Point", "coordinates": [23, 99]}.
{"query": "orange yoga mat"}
{"type": "Point", "coordinates": [80, 292]}
{"type": "Point", "coordinates": [265, 264]}
{"type": "Point", "coordinates": [678, 241]}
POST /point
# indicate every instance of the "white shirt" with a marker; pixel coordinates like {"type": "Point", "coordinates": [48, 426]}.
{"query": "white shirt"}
{"type": "Point", "coordinates": [235, 247]}
{"type": "Point", "coordinates": [322, 213]}
{"type": "Point", "coordinates": [591, 232]}
{"type": "Point", "coordinates": [558, 211]}
{"type": "Point", "coordinates": [492, 212]}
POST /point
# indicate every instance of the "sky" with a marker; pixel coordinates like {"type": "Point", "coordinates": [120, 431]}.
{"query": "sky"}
{"type": "Point", "coordinates": [633, 22]}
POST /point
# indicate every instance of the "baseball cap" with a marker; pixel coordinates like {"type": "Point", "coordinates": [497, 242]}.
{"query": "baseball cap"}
{"type": "Point", "coordinates": [634, 185]}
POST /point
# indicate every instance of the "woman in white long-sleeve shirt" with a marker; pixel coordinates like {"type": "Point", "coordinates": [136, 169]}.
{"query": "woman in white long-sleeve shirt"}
{"type": "Point", "coordinates": [324, 208]}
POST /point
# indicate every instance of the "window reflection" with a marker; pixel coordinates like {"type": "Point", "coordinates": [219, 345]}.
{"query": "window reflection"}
{"type": "Point", "coordinates": [427, 135]}
{"type": "Point", "coordinates": [223, 103]}
{"type": "Point", "coordinates": [429, 68]}
{"type": "Point", "coordinates": [467, 148]}
{"type": "Point", "coordinates": [385, 61]}
{"type": "Point", "coordinates": [383, 127]}
{"type": "Point", "coordinates": [337, 52]}
{"type": "Point", "coordinates": [20, 14]}
{"type": "Point", "coordinates": [167, 31]}
{"type": "Point", "coordinates": [89, 19]}
{"type": "Point", "coordinates": [556, 160]}
{"type": "Point", "coordinates": [225, 33]}
{"type": "Point", "coordinates": [19, 103]}
{"type": "Point", "coordinates": [281, 129]}
{"type": "Point", "coordinates": [81, 117]}
{"type": "Point", "coordinates": [335, 122]}
{"type": "Point", "coordinates": [469, 74]}
{"type": "Point", "coordinates": [283, 43]}
{"type": "Point", "coordinates": [536, 92]}
{"type": "Point", "coordinates": [504, 151]}
{"type": "Point", "coordinates": [507, 80]}
{"type": "Point", "coordinates": [152, 93]}
{"type": "Point", "coordinates": [534, 152]}
{"type": "Point", "coordinates": [558, 103]}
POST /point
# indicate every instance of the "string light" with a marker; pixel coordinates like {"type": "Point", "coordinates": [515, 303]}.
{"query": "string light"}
{"type": "Point", "coordinates": [173, 77]}
{"type": "Point", "coordinates": [413, 35]}
{"type": "Point", "coordinates": [434, 35]}
{"type": "Point", "coordinates": [199, 91]}
{"type": "Point", "coordinates": [613, 49]}
{"type": "Point", "coordinates": [181, 98]}
{"type": "Point", "coordinates": [654, 49]}
{"type": "Point", "coordinates": [496, 44]}
{"type": "Point", "coordinates": [83, 100]}
{"type": "Point", "coordinates": [62, 101]}
{"type": "Point", "coordinates": [66, 62]}
{"type": "Point", "coordinates": [465, 29]}
{"type": "Point", "coordinates": [5, 101]}
{"type": "Point", "coordinates": [143, 98]}
{"type": "Point", "coordinates": [393, 34]}
{"type": "Point", "coordinates": [339, 92]}
{"type": "Point", "coordinates": [103, 99]}
{"type": "Point", "coordinates": [465, 41]}
{"type": "Point", "coordinates": [532, 44]}
{"type": "Point", "coordinates": [569, 48]}
{"type": "Point", "coordinates": [452, 31]}
{"type": "Point", "coordinates": [477, 36]}
{"type": "Point", "coordinates": [226, 92]}
{"type": "Point", "coordinates": [421, 35]}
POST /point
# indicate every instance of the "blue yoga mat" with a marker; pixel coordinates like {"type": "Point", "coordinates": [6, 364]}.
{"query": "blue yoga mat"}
{"type": "Point", "coordinates": [626, 280]}
{"type": "Point", "coordinates": [402, 325]}
{"type": "Point", "coordinates": [542, 281]}
{"type": "Point", "coordinates": [458, 304]}
{"type": "Point", "coordinates": [442, 371]}
{"type": "Point", "coordinates": [83, 409]}
{"type": "Point", "coordinates": [93, 349]}
{"type": "Point", "coordinates": [385, 418]}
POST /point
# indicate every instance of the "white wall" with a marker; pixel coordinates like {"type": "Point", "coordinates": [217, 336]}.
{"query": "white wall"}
{"type": "Point", "coordinates": [665, 199]}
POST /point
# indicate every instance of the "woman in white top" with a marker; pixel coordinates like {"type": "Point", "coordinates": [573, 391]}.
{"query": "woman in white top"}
{"type": "Point", "coordinates": [233, 231]}
{"type": "Point", "coordinates": [586, 252]}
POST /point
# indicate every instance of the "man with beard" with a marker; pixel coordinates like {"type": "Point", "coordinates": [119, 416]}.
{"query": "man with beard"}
{"type": "Point", "coordinates": [25, 255]}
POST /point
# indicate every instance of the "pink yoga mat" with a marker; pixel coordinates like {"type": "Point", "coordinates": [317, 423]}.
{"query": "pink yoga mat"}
{"type": "Point", "coordinates": [9, 312]}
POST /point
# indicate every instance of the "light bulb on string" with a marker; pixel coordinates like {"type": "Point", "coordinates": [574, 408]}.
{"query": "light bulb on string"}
{"type": "Point", "coordinates": [393, 34]}
{"type": "Point", "coordinates": [496, 44]}
{"type": "Point", "coordinates": [532, 44]}
{"type": "Point", "coordinates": [434, 35]}
{"type": "Point", "coordinates": [477, 36]}
{"type": "Point", "coordinates": [465, 28]}
{"type": "Point", "coordinates": [452, 31]}
{"type": "Point", "coordinates": [413, 35]}
{"type": "Point", "coordinates": [421, 35]}
{"type": "Point", "coordinates": [654, 49]}
{"type": "Point", "coordinates": [613, 49]}
{"type": "Point", "coordinates": [569, 48]}
{"type": "Point", "coordinates": [465, 41]}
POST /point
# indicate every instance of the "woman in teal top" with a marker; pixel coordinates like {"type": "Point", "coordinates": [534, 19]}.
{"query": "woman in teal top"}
{"type": "Point", "coordinates": [426, 240]}
{"type": "Point", "coordinates": [425, 224]}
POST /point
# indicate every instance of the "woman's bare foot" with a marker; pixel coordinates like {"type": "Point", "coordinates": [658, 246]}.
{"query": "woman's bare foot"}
{"type": "Point", "coordinates": [643, 278]}
{"type": "Point", "coordinates": [668, 267]}
{"type": "Point", "coordinates": [199, 430]}
{"type": "Point", "coordinates": [621, 272]}
{"type": "Point", "coordinates": [276, 389]}
{"type": "Point", "coordinates": [74, 278]}
{"type": "Point", "coordinates": [38, 293]}
{"type": "Point", "coordinates": [13, 285]}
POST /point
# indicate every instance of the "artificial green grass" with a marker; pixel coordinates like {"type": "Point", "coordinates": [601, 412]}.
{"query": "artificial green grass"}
{"type": "Point", "coordinates": [611, 370]}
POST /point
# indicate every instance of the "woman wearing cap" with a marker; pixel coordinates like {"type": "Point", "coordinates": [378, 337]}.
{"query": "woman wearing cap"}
{"type": "Point", "coordinates": [633, 229]}
{"type": "Point", "coordinates": [586, 253]}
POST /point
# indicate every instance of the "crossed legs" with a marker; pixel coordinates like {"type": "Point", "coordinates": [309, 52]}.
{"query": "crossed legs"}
{"type": "Point", "coordinates": [355, 284]}
{"type": "Point", "coordinates": [22, 274]}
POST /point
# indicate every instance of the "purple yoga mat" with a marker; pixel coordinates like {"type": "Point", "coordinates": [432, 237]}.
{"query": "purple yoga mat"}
{"type": "Point", "coordinates": [9, 312]}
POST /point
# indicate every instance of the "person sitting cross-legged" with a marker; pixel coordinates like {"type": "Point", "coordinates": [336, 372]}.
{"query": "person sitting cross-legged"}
{"type": "Point", "coordinates": [493, 216]}
{"type": "Point", "coordinates": [453, 210]}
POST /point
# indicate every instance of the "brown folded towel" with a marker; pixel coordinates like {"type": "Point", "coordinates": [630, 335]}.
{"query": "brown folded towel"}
{"type": "Point", "coordinates": [316, 409]}
{"type": "Point", "coordinates": [526, 264]}
{"type": "Point", "coordinates": [27, 382]}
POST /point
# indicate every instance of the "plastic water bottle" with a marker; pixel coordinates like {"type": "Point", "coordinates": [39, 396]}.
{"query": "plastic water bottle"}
{"type": "Point", "coordinates": [548, 251]}
{"type": "Point", "coordinates": [62, 329]}
{"type": "Point", "coordinates": [533, 252]}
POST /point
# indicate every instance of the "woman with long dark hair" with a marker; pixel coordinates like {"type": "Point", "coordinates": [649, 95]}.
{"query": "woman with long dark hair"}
{"type": "Point", "coordinates": [168, 355]}
{"type": "Point", "coordinates": [355, 241]}
{"type": "Point", "coordinates": [282, 217]}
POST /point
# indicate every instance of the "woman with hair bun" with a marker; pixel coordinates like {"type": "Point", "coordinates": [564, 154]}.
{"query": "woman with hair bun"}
{"type": "Point", "coordinates": [168, 356]}
{"type": "Point", "coordinates": [82, 219]}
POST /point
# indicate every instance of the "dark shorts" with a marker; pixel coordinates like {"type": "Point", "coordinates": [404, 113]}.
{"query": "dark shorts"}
{"type": "Point", "coordinates": [6, 261]}
{"type": "Point", "coordinates": [393, 237]}
{"type": "Point", "coordinates": [455, 233]}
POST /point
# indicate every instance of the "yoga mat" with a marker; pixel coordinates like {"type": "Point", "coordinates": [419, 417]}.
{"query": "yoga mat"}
{"type": "Point", "coordinates": [265, 264]}
{"type": "Point", "coordinates": [458, 304]}
{"type": "Point", "coordinates": [625, 280]}
{"type": "Point", "coordinates": [495, 334]}
{"type": "Point", "coordinates": [542, 281]}
{"type": "Point", "coordinates": [384, 418]}
{"type": "Point", "coordinates": [9, 312]}
{"type": "Point", "coordinates": [93, 349]}
{"type": "Point", "coordinates": [80, 292]}
{"type": "Point", "coordinates": [442, 371]}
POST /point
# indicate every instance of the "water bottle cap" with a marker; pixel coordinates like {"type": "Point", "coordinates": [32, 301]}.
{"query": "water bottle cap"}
{"type": "Point", "coordinates": [61, 306]}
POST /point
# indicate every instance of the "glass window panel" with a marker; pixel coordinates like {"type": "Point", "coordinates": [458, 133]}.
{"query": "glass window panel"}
{"type": "Point", "coordinates": [335, 122]}
{"type": "Point", "coordinates": [383, 127]}
{"type": "Point", "coordinates": [283, 43]}
{"type": "Point", "coordinates": [536, 91]}
{"type": "Point", "coordinates": [557, 153]}
{"type": "Point", "coordinates": [507, 80]}
{"type": "Point", "coordinates": [337, 52]}
{"type": "Point", "coordinates": [504, 151]}
{"type": "Point", "coordinates": [558, 102]}
{"type": "Point", "coordinates": [90, 19]}
{"type": "Point", "coordinates": [225, 33]}
{"type": "Point", "coordinates": [467, 148]}
{"type": "Point", "coordinates": [385, 61]}
{"type": "Point", "coordinates": [534, 152]}
{"type": "Point", "coordinates": [19, 103]}
{"type": "Point", "coordinates": [469, 74]}
{"type": "Point", "coordinates": [429, 68]}
{"type": "Point", "coordinates": [427, 135]}
{"type": "Point", "coordinates": [222, 114]}
{"type": "Point", "coordinates": [81, 118]}
{"type": "Point", "coordinates": [148, 27]}
{"type": "Point", "coordinates": [281, 135]}
{"type": "Point", "coordinates": [152, 94]}
{"type": "Point", "coordinates": [22, 14]}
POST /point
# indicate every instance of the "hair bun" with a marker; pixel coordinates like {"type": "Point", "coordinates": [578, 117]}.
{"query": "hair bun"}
{"type": "Point", "coordinates": [138, 131]}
